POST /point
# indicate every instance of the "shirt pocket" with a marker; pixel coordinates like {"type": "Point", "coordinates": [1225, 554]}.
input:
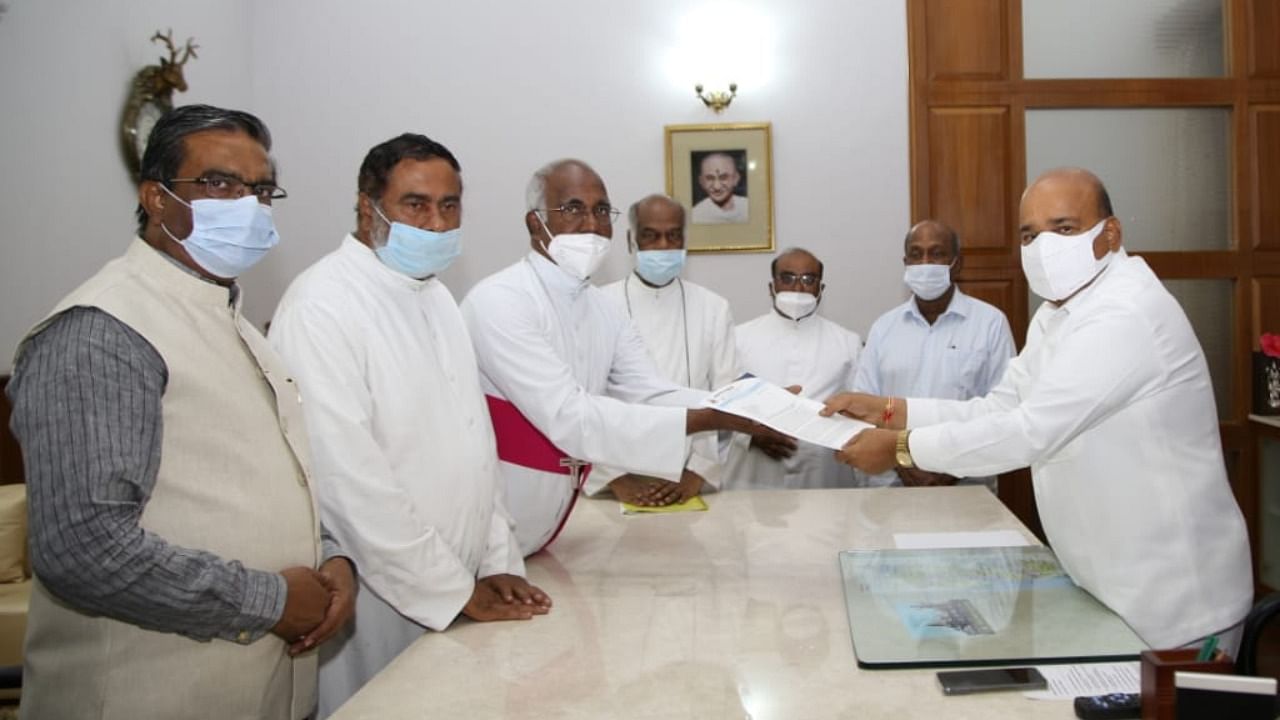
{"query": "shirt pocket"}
{"type": "Point", "coordinates": [964, 372]}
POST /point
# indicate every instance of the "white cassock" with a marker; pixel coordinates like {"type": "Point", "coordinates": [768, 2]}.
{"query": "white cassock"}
{"type": "Point", "coordinates": [555, 353]}
{"type": "Point", "coordinates": [688, 331]}
{"type": "Point", "coordinates": [819, 356]}
{"type": "Point", "coordinates": [405, 463]}
{"type": "Point", "coordinates": [960, 356]}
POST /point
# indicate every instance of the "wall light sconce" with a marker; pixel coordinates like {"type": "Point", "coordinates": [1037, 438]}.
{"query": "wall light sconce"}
{"type": "Point", "coordinates": [717, 101]}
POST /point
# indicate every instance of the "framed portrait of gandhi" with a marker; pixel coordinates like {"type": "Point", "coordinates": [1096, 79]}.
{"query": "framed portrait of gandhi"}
{"type": "Point", "coordinates": [723, 177]}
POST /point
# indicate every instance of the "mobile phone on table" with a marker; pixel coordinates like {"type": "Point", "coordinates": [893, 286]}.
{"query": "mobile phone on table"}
{"type": "Point", "coordinates": [1104, 707]}
{"type": "Point", "coordinates": [963, 682]}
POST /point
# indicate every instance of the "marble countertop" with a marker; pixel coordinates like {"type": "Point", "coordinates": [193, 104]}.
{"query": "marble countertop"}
{"type": "Point", "coordinates": [737, 612]}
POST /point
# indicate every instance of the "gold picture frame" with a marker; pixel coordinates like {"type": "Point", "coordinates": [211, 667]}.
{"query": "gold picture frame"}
{"type": "Point", "coordinates": [722, 174]}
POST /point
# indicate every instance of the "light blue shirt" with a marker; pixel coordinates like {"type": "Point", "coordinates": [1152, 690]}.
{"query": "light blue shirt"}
{"type": "Point", "coordinates": [961, 355]}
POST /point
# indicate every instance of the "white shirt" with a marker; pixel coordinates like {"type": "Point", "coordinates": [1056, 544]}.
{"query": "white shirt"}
{"type": "Point", "coordinates": [961, 355]}
{"type": "Point", "coordinates": [1110, 404]}
{"type": "Point", "coordinates": [688, 332]}
{"type": "Point", "coordinates": [575, 367]}
{"type": "Point", "coordinates": [707, 211]}
{"type": "Point", "coordinates": [405, 466]}
{"type": "Point", "coordinates": [819, 356]}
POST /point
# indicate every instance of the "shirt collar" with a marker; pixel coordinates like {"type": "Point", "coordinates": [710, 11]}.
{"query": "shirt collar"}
{"type": "Point", "coordinates": [961, 305]}
{"type": "Point", "coordinates": [366, 259]}
{"type": "Point", "coordinates": [637, 286]}
{"type": "Point", "coordinates": [802, 324]}
{"type": "Point", "coordinates": [554, 278]}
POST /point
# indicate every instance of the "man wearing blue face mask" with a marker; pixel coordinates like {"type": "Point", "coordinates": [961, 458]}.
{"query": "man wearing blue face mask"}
{"type": "Point", "coordinates": [940, 343]}
{"type": "Point", "coordinates": [180, 566]}
{"type": "Point", "coordinates": [567, 376]}
{"type": "Point", "coordinates": [408, 472]}
{"type": "Point", "coordinates": [688, 331]}
{"type": "Point", "coordinates": [1111, 406]}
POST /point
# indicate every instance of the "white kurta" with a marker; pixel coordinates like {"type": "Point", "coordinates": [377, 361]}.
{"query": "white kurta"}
{"type": "Point", "coordinates": [960, 356]}
{"type": "Point", "coordinates": [688, 332]}
{"type": "Point", "coordinates": [576, 368]}
{"type": "Point", "coordinates": [1111, 405]}
{"type": "Point", "coordinates": [405, 465]}
{"type": "Point", "coordinates": [822, 358]}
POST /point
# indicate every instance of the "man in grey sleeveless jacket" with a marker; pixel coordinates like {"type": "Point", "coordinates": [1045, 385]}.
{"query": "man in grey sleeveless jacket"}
{"type": "Point", "coordinates": [180, 568]}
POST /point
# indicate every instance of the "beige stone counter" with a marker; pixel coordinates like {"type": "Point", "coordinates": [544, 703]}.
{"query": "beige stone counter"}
{"type": "Point", "coordinates": [737, 612]}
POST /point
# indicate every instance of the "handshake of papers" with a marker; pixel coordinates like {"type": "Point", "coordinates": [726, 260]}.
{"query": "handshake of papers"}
{"type": "Point", "coordinates": [797, 416]}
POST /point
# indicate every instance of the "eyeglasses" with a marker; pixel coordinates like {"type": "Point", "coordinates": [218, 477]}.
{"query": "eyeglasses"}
{"type": "Point", "coordinates": [807, 280]}
{"type": "Point", "coordinates": [222, 187]}
{"type": "Point", "coordinates": [578, 212]}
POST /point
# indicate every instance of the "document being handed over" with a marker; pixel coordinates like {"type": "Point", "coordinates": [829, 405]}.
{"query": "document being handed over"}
{"type": "Point", "coordinates": [793, 415]}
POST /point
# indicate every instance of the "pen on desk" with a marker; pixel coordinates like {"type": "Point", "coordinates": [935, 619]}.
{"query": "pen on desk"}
{"type": "Point", "coordinates": [1206, 650]}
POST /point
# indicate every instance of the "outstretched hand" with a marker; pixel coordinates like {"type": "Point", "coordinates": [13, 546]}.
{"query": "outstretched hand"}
{"type": "Point", "coordinates": [859, 406]}
{"type": "Point", "coordinates": [872, 451]}
{"type": "Point", "coordinates": [771, 442]}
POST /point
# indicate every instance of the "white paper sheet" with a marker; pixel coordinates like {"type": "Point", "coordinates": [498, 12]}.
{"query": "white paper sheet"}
{"type": "Point", "coordinates": [1069, 681]}
{"type": "Point", "coordinates": [793, 415]}
{"type": "Point", "coordinates": [929, 541]}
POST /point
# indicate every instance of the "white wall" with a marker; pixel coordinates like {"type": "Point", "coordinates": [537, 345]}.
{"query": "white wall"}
{"type": "Point", "coordinates": [507, 86]}
{"type": "Point", "coordinates": [66, 199]}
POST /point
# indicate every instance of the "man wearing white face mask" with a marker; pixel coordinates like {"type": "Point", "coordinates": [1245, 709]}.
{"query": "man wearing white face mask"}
{"type": "Point", "coordinates": [941, 343]}
{"type": "Point", "coordinates": [688, 331]}
{"type": "Point", "coordinates": [405, 458]}
{"type": "Point", "coordinates": [181, 570]}
{"type": "Point", "coordinates": [793, 346]}
{"type": "Point", "coordinates": [1111, 405]}
{"type": "Point", "coordinates": [567, 376]}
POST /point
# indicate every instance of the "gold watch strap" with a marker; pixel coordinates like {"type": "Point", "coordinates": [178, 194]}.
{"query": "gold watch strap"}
{"type": "Point", "coordinates": [903, 454]}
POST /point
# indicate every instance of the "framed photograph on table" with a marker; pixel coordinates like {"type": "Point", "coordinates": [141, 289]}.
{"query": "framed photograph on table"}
{"type": "Point", "coordinates": [723, 176]}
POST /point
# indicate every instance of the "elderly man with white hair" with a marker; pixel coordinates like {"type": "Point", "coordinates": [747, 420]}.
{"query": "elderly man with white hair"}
{"type": "Point", "coordinates": [568, 379]}
{"type": "Point", "coordinates": [687, 329]}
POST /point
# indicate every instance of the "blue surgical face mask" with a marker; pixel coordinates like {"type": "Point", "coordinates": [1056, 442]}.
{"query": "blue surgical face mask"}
{"type": "Point", "coordinates": [659, 267]}
{"type": "Point", "coordinates": [227, 236]}
{"type": "Point", "coordinates": [416, 252]}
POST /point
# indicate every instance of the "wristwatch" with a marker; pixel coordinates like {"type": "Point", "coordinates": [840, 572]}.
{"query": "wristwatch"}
{"type": "Point", "coordinates": [902, 453]}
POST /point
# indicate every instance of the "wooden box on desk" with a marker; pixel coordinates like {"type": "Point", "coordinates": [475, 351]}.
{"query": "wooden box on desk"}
{"type": "Point", "coordinates": [1159, 696]}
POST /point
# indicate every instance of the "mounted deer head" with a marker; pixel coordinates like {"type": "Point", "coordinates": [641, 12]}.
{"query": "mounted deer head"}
{"type": "Point", "coordinates": [171, 69]}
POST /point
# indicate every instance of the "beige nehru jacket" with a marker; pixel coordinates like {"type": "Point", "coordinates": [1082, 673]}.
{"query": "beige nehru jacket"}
{"type": "Point", "coordinates": [232, 481]}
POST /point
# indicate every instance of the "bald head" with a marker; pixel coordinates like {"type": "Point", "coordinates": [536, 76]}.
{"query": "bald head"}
{"type": "Point", "coordinates": [650, 204]}
{"type": "Point", "coordinates": [1072, 199]}
{"type": "Point", "coordinates": [1065, 202]}
{"type": "Point", "coordinates": [796, 270]}
{"type": "Point", "coordinates": [931, 241]}
{"type": "Point", "coordinates": [657, 223]}
{"type": "Point", "coordinates": [795, 254]}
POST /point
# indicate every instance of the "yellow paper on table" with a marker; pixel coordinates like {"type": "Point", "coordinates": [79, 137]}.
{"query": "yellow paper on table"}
{"type": "Point", "coordinates": [693, 504]}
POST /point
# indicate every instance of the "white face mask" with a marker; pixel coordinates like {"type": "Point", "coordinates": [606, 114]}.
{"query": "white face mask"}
{"type": "Point", "coordinates": [928, 281]}
{"type": "Point", "coordinates": [578, 254]}
{"type": "Point", "coordinates": [1058, 265]}
{"type": "Point", "coordinates": [795, 305]}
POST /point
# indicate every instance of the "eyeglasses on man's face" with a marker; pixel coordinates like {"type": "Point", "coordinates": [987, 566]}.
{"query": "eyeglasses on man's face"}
{"type": "Point", "coordinates": [221, 186]}
{"type": "Point", "coordinates": [577, 212]}
{"type": "Point", "coordinates": [808, 280]}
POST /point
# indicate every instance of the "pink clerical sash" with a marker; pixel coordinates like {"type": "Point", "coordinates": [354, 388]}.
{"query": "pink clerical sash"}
{"type": "Point", "coordinates": [520, 443]}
